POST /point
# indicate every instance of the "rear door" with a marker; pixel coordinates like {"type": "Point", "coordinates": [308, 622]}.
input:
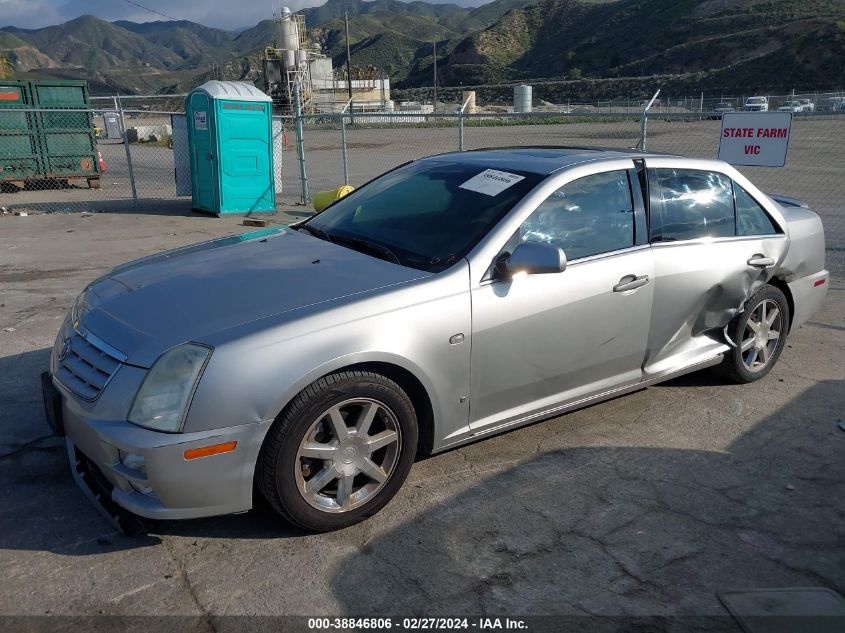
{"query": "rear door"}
{"type": "Point", "coordinates": [706, 263]}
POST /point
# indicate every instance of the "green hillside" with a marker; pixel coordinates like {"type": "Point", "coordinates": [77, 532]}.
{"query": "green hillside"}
{"type": "Point", "coordinates": [562, 38]}
{"type": "Point", "coordinates": [96, 44]}
{"type": "Point", "coordinates": [719, 44]}
{"type": "Point", "coordinates": [21, 55]}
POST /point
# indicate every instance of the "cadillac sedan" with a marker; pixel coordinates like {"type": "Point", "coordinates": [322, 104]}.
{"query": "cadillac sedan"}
{"type": "Point", "coordinates": [455, 297]}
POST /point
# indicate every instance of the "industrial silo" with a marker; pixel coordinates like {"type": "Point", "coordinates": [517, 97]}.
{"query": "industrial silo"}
{"type": "Point", "coordinates": [289, 37]}
{"type": "Point", "coordinates": [522, 98]}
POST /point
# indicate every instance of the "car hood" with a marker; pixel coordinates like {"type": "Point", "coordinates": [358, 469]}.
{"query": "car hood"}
{"type": "Point", "coordinates": [147, 306]}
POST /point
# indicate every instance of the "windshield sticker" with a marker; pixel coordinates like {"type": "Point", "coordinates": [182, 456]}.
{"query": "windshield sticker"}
{"type": "Point", "coordinates": [491, 182]}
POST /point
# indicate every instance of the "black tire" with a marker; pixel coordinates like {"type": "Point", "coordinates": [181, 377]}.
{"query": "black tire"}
{"type": "Point", "coordinates": [735, 363]}
{"type": "Point", "coordinates": [278, 458]}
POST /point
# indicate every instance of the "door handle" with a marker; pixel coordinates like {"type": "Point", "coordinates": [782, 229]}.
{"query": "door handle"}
{"type": "Point", "coordinates": [630, 282]}
{"type": "Point", "coordinates": [761, 261]}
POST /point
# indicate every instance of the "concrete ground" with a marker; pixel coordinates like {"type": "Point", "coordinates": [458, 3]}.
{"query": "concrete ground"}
{"type": "Point", "coordinates": [646, 505]}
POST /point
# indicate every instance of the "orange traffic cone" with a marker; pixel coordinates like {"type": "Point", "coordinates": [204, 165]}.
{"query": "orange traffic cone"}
{"type": "Point", "coordinates": [101, 161]}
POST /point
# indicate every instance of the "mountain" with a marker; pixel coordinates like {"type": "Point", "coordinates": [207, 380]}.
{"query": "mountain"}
{"type": "Point", "coordinates": [391, 34]}
{"type": "Point", "coordinates": [752, 40]}
{"type": "Point", "coordinates": [22, 55]}
{"type": "Point", "coordinates": [188, 40]}
{"type": "Point", "coordinates": [397, 36]}
{"type": "Point", "coordinates": [719, 44]}
{"type": "Point", "coordinates": [93, 43]}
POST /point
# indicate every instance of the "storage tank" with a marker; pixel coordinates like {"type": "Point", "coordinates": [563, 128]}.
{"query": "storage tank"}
{"type": "Point", "coordinates": [522, 95]}
{"type": "Point", "coordinates": [290, 32]}
{"type": "Point", "coordinates": [289, 37]}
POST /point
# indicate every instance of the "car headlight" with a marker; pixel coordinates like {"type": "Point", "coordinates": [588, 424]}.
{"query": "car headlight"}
{"type": "Point", "coordinates": [164, 396]}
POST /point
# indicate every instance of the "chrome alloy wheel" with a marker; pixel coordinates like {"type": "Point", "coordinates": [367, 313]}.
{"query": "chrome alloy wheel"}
{"type": "Point", "coordinates": [347, 455]}
{"type": "Point", "coordinates": [762, 335]}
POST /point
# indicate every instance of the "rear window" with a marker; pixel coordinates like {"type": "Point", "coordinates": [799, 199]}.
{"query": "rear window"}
{"type": "Point", "coordinates": [751, 218]}
{"type": "Point", "coordinates": [689, 204]}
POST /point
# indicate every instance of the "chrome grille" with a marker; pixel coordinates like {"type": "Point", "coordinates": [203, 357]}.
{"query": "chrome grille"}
{"type": "Point", "coordinates": [86, 368]}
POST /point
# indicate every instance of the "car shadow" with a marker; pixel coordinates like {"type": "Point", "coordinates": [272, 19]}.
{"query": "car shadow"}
{"type": "Point", "coordinates": [623, 531]}
{"type": "Point", "coordinates": [147, 206]}
{"type": "Point", "coordinates": [581, 530]}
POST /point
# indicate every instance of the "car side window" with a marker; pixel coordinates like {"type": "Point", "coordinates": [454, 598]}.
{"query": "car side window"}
{"type": "Point", "coordinates": [691, 204]}
{"type": "Point", "coordinates": [751, 218]}
{"type": "Point", "coordinates": [588, 216]}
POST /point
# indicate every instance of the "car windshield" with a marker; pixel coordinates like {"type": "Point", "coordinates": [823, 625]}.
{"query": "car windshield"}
{"type": "Point", "coordinates": [756, 100]}
{"type": "Point", "coordinates": [425, 215]}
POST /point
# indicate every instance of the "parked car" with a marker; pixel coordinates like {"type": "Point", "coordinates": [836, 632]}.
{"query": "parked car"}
{"type": "Point", "coordinates": [797, 105]}
{"type": "Point", "coordinates": [721, 108]}
{"type": "Point", "coordinates": [756, 104]}
{"type": "Point", "coordinates": [453, 298]}
{"type": "Point", "coordinates": [834, 104]}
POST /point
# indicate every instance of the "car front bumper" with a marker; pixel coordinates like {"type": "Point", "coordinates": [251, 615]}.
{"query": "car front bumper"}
{"type": "Point", "coordinates": [169, 486]}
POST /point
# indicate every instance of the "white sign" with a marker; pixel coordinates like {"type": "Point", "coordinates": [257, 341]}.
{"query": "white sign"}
{"type": "Point", "coordinates": [758, 139]}
{"type": "Point", "coordinates": [200, 120]}
{"type": "Point", "coordinates": [491, 182]}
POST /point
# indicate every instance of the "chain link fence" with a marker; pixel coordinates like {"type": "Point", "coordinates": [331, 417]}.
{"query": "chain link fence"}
{"type": "Point", "coordinates": [365, 145]}
{"type": "Point", "coordinates": [121, 159]}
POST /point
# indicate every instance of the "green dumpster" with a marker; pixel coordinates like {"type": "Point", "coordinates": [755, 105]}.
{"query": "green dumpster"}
{"type": "Point", "coordinates": [47, 132]}
{"type": "Point", "coordinates": [20, 158]}
{"type": "Point", "coordinates": [230, 142]}
{"type": "Point", "coordinates": [66, 135]}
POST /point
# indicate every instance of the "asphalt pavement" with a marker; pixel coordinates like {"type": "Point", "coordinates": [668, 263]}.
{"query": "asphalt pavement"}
{"type": "Point", "coordinates": [644, 506]}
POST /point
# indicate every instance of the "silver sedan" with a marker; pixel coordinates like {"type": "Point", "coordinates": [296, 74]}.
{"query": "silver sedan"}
{"type": "Point", "coordinates": [452, 298]}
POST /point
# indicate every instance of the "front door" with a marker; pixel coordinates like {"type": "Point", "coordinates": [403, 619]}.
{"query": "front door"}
{"type": "Point", "coordinates": [544, 340]}
{"type": "Point", "coordinates": [204, 161]}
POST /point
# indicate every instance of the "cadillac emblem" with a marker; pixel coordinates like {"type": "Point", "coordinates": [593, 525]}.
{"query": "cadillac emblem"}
{"type": "Point", "coordinates": [64, 351]}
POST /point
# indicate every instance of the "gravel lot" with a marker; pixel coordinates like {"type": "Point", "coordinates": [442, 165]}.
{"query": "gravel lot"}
{"type": "Point", "coordinates": [646, 505]}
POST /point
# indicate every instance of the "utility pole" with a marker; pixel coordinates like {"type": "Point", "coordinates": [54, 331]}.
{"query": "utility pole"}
{"type": "Point", "coordinates": [434, 44]}
{"type": "Point", "coordinates": [348, 56]}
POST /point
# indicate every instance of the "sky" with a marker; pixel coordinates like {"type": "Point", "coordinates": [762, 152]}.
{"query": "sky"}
{"type": "Point", "coordinates": [224, 14]}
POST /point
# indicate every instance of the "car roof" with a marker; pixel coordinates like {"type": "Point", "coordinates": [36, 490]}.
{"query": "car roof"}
{"type": "Point", "coordinates": [542, 160]}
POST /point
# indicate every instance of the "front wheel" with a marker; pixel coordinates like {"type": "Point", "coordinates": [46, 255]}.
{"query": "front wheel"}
{"type": "Point", "coordinates": [759, 334]}
{"type": "Point", "coordinates": [339, 452]}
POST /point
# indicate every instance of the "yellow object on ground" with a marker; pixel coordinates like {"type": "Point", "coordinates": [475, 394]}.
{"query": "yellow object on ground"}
{"type": "Point", "coordinates": [325, 198]}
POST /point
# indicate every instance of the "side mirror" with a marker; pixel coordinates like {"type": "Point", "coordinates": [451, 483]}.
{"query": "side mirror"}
{"type": "Point", "coordinates": [534, 258]}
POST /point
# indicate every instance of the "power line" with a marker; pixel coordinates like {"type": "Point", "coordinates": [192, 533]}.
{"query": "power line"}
{"type": "Point", "coordinates": [164, 15]}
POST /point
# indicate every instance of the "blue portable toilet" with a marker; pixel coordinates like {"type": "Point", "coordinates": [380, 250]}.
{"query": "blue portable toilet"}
{"type": "Point", "coordinates": [230, 141]}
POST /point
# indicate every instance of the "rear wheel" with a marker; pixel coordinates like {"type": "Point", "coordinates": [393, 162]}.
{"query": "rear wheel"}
{"type": "Point", "coordinates": [339, 452]}
{"type": "Point", "coordinates": [759, 334]}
